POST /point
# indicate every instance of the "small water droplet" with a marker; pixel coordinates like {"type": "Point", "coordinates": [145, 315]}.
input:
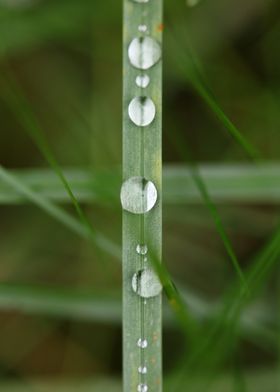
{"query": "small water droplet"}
{"type": "Point", "coordinates": [142, 388]}
{"type": "Point", "coordinates": [142, 249]}
{"type": "Point", "coordinates": [146, 283]}
{"type": "Point", "coordinates": [144, 52]}
{"type": "Point", "coordinates": [142, 343]}
{"type": "Point", "coordinates": [142, 370]}
{"type": "Point", "coordinates": [142, 111]}
{"type": "Point", "coordinates": [142, 28]}
{"type": "Point", "coordinates": [138, 195]}
{"type": "Point", "coordinates": [142, 81]}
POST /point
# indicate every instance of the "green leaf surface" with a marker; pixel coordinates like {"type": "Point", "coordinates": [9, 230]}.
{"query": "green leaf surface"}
{"type": "Point", "coordinates": [142, 157]}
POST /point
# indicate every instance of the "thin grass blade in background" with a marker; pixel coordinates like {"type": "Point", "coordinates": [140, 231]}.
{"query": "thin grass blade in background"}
{"type": "Point", "coordinates": [57, 212]}
{"type": "Point", "coordinates": [19, 105]}
{"type": "Point", "coordinates": [188, 66]}
{"type": "Point", "coordinates": [227, 183]}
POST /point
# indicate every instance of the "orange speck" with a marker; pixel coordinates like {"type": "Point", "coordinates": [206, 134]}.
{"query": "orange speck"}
{"type": "Point", "coordinates": [160, 27]}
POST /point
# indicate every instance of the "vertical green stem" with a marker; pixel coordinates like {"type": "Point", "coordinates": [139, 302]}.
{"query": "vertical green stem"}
{"type": "Point", "coordinates": [142, 158]}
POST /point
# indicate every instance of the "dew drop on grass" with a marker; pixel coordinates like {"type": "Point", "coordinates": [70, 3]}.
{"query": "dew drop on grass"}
{"type": "Point", "coordinates": [144, 52]}
{"type": "Point", "coordinates": [142, 28]}
{"type": "Point", "coordinates": [142, 343]}
{"type": "Point", "coordinates": [138, 195]}
{"type": "Point", "coordinates": [142, 249]}
{"type": "Point", "coordinates": [142, 81]}
{"type": "Point", "coordinates": [142, 370]}
{"type": "Point", "coordinates": [146, 283]}
{"type": "Point", "coordinates": [142, 111]}
{"type": "Point", "coordinates": [142, 388]}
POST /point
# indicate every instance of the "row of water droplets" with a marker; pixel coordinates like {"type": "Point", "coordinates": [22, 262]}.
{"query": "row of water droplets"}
{"type": "Point", "coordinates": [138, 194]}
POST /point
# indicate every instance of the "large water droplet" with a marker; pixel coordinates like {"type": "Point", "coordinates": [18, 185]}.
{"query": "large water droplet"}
{"type": "Point", "coordinates": [146, 283]}
{"type": "Point", "coordinates": [142, 81]}
{"type": "Point", "coordinates": [138, 195]}
{"type": "Point", "coordinates": [142, 249]}
{"type": "Point", "coordinates": [142, 111]}
{"type": "Point", "coordinates": [142, 388]}
{"type": "Point", "coordinates": [144, 52]}
{"type": "Point", "coordinates": [142, 343]}
{"type": "Point", "coordinates": [142, 370]}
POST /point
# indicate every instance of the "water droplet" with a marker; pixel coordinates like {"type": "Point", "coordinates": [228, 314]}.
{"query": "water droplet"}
{"type": "Point", "coordinates": [142, 28]}
{"type": "Point", "coordinates": [142, 370]}
{"type": "Point", "coordinates": [142, 249]}
{"type": "Point", "coordinates": [142, 388]}
{"type": "Point", "coordinates": [138, 195]}
{"type": "Point", "coordinates": [140, 1]}
{"type": "Point", "coordinates": [142, 111]}
{"type": "Point", "coordinates": [142, 81]}
{"type": "Point", "coordinates": [146, 283]}
{"type": "Point", "coordinates": [142, 343]}
{"type": "Point", "coordinates": [144, 52]}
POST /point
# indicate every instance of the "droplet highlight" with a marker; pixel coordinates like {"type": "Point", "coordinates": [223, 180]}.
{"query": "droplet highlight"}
{"type": "Point", "coordinates": [142, 388]}
{"type": "Point", "coordinates": [143, 28]}
{"type": "Point", "coordinates": [142, 249]}
{"type": "Point", "coordinates": [146, 283]}
{"type": "Point", "coordinates": [142, 370]}
{"type": "Point", "coordinates": [142, 111]}
{"type": "Point", "coordinates": [144, 52]}
{"type": "Point", "coordinates": [142, 81]}
{"type": "Point", "coordinates": [142, 343]}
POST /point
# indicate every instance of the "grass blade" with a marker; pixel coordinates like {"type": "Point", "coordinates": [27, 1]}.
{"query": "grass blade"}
{"type": "Point", "coordinates": [218, 223]}
{"type": "Point", "coordinates": [186, 156]}
{"type": "Point", "coordinates": [141, 158]}
{"type": "Point", "coordinates": [57, 212]}
{"type": "Point", "coordinates": [223, 332]}
{"type": "Point", "coordinates": [189, 67]}
{"type": "Point", "coordinates": [20, 107]}
{"type": "Point", "coordinates": [230, 183]}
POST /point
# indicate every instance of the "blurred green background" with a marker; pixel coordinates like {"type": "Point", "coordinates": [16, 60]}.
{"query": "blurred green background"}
{"type": "Point", "coordinates": [60, 297]}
